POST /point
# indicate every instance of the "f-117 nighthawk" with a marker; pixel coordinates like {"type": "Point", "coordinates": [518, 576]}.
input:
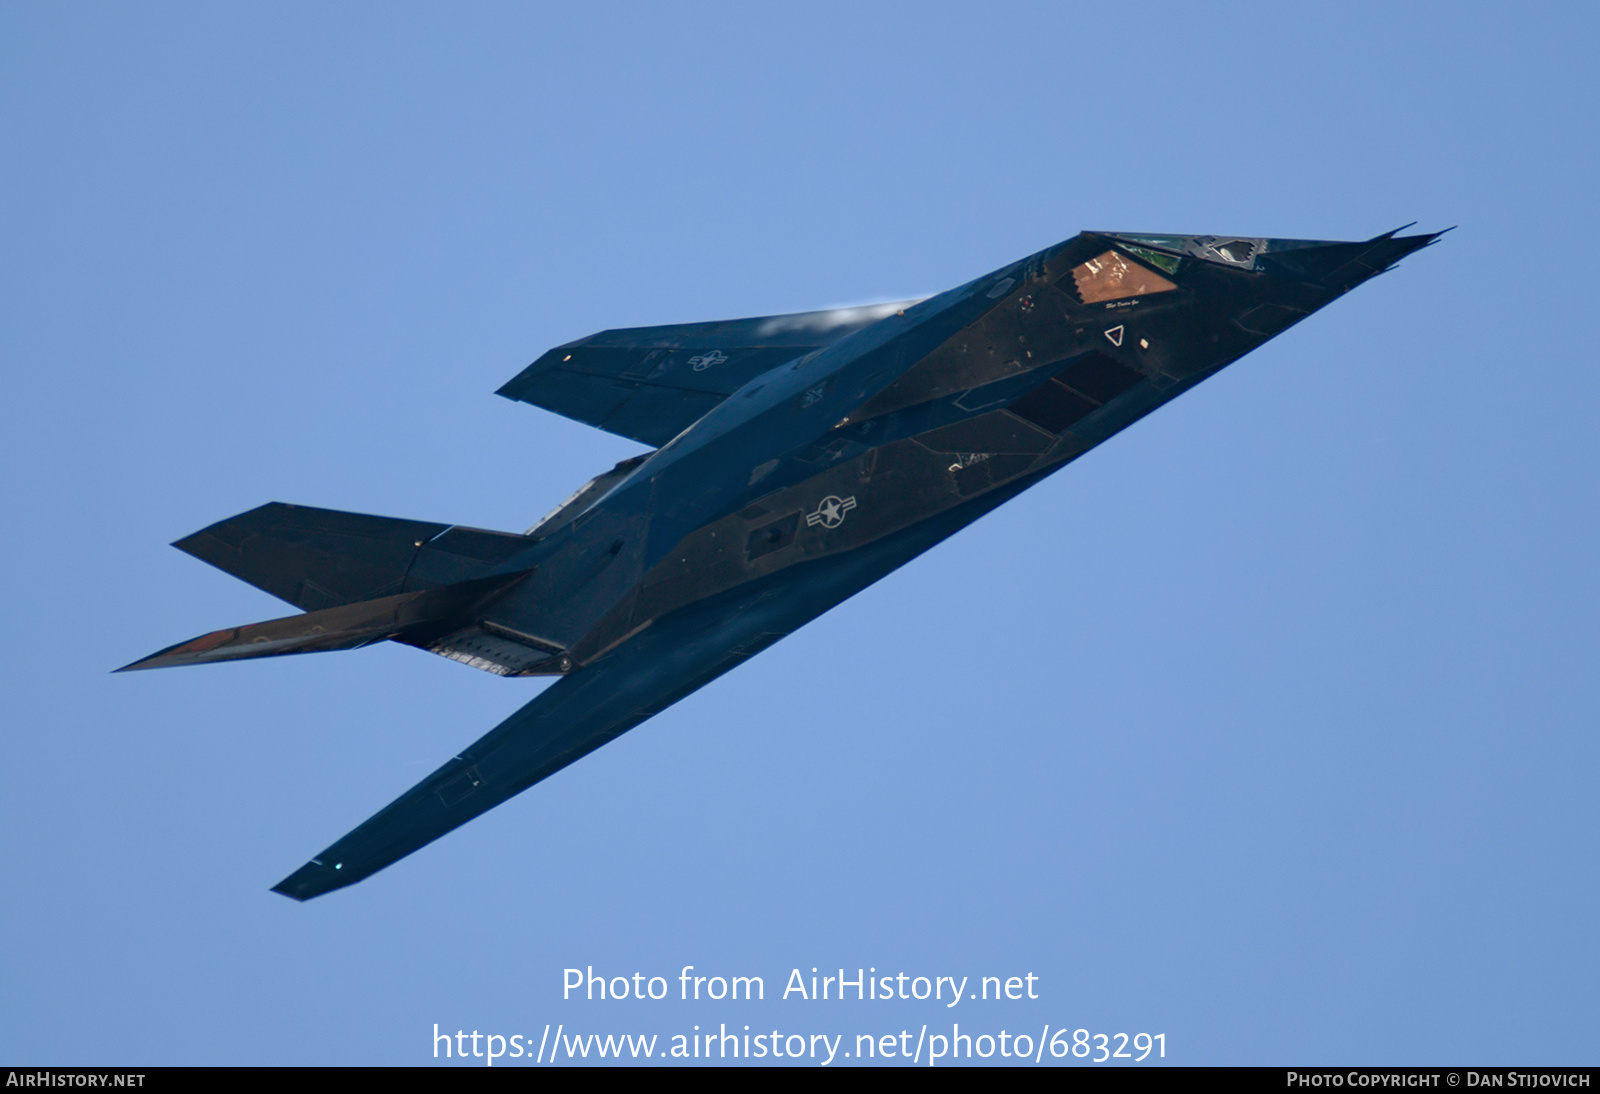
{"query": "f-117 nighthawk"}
{"type": "Point", "coordinates": [795, 460]}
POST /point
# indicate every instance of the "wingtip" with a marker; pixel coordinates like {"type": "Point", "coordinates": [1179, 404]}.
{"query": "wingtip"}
{"type": "Point", "coordinates": [141, 664]}
{"type": "Point", "coordinates": [281, 890]}
{"type": "Point", "coordinates": [314, 879]}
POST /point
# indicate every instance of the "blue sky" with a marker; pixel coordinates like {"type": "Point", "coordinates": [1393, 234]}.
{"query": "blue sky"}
{"type": "Point", "coordinates": [1269, 725]}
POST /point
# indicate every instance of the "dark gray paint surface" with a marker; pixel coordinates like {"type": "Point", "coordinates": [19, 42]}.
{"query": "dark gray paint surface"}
{"type": "Point", "coordinates": [802, 458]}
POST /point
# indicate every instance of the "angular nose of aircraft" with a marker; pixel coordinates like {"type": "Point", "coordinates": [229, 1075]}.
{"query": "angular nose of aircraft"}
{"type": "Point", "coordinates": [1245, 290]}
{"type": "Point", "coordinates": [1332, 265]}
{"type": "Point", "coordinates": [1339, 267]}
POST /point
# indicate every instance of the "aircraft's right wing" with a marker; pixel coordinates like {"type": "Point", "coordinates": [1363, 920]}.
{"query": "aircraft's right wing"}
{"type": "Point", "coordinates": [651, 383]}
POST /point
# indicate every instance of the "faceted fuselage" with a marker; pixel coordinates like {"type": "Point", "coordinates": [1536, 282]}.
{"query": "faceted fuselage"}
{"type": "Point", "coordinates": [797, 460]}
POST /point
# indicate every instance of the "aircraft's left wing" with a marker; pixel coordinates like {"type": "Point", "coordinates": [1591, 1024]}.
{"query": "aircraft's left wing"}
{"type": "Point", "coordinates": [651, 383]}
{"type": "Point", "coordinates": [600, 701]}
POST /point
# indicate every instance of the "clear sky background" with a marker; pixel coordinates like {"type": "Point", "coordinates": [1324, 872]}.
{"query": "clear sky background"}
{"type": "Point", "coordinates": [1271, 725]}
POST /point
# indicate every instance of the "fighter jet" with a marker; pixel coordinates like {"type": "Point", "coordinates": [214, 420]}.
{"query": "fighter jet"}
{"type": "Point", "coordinates": [795, 460]}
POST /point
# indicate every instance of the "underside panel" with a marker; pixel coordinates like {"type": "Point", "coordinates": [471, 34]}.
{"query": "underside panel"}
{"type": "Point", "coordinates": [600, 702]}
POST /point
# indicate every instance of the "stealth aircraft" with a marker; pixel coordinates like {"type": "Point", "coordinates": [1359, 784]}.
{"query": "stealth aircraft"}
{"type": "Point", "coordinates": [795, 460]}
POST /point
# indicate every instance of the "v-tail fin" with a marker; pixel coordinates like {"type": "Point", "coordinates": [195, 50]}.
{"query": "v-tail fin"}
{"type": "Point", "coordinates": [417, 618]}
